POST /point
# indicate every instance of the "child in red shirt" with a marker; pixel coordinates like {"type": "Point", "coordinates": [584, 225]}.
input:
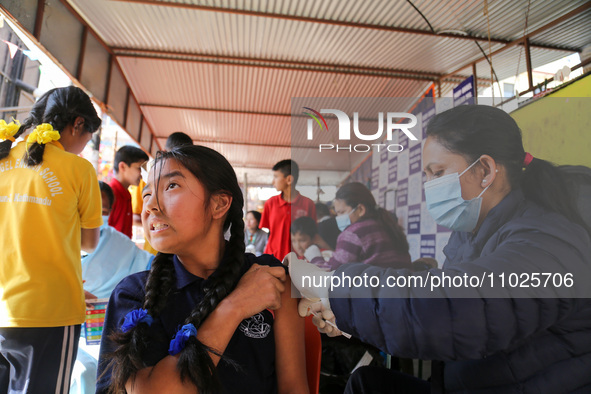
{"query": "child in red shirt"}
{"type": "Point", "coordinates": [280, 211]}
{"type": "Point", "coordinates": [126, 172]}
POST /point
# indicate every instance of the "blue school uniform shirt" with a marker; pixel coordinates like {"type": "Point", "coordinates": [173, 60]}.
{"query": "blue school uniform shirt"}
{"type": "Point", "coordinates": [115, 257]}
{"type": "Point", "coordinates": [252, 346]}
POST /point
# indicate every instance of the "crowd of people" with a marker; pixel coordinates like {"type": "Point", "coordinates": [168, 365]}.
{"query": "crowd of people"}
{"type": "Point", "coordinates": [207, 307]}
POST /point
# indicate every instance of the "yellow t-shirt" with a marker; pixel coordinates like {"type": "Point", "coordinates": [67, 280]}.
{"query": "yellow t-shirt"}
{"type": "Point", "coordinates": [137, 204]}
{"type": "Point", "coordinates": [43, 209]}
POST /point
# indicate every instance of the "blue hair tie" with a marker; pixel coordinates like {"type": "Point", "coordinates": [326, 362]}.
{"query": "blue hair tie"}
{"type": "Point", "coordinates": [135, 317]}
{"type": "Point", "coordinates": [180, 339]}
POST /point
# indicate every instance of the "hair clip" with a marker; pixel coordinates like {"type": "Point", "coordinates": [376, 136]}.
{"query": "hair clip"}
{"type": "Point", "coordinates": [8, 130]}
{"type": "Point", "coordinates": [177, 344]}
{"type": "Point", "coordinates": [136, 317]}
{"type": "Point", "coordinates": [43, 134]}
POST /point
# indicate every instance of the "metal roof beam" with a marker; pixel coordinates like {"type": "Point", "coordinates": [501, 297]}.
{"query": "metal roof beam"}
{"type": "Point", "coordinates": [521, 41]}
{"type": "Point", "coordinates": [233, 111]}
{"type": "Point", "coordinates": [277, 64]}
{"type": "Point", "coordinates": [285, 65]}
{"type": "Point", "coordinates": [244, 143]}
{"type": "Point", "coordinates": [236, 111]}
{"type": "Point", "coordinates": [393, 29]}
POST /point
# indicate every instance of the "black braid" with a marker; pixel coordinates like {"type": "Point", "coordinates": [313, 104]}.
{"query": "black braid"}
{"type": "Point", "coordinates": [128, 358]}
{"type": "Point", "coordinates": [159, 284]}
{"type": "Point", "coordinates": [195, 361]}
{"type": "Point", "coordinates": [34, 154]}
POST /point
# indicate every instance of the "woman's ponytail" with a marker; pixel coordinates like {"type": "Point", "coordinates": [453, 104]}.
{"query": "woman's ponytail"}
{"type": "Point", "coordinates": [393, 229]}
{"type": "Point", "coordinates": [545, 184]}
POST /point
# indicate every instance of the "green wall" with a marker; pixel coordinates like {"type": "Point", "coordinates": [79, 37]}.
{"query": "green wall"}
{"type": "Point", "coordinates": [558, 127]}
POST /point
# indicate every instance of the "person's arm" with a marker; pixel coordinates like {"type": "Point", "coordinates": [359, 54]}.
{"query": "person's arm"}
{"type": "Point", "coordinates": [137, 203]}
{"type": "Point", "coordinates": [312, 211]}
{"type": "Point", "coordinates": [89, 296]}
{"type": "Point", "coordinates": [348, 250]}
{"type": "Point", "coordinates": [215, 332]}
{"type": "Point", "coordinates": [322, 244]}
{"type": "Point", "coordinates": [265, 219]}
{"type": "Point", "coordinates": [290, 354]}
{"type": "Point", "coordinates": [405, 322]}
{"type": "Point", "coordinates": [266, 223]}
{"type": "Point", "coordinates": [259, 288]}
{"type": "Point", "coordinates": [262, 244]}
{"type": "Point", "coordinates": [89, 207]}
{"type": "Point", "coordinates": [89, 239]}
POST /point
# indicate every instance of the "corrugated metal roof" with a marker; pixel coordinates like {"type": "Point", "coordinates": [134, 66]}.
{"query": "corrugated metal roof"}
{"type": "Point", "coordinates": [506, 17]}
{"type": "Point", "coordinates": [209, 126]}
{"type": "Point", "coordinates": [226, 72]}
{"type": "Point", "coordinates": [569, 32]}
{"type": "Point", "coordinates": [246, 88]}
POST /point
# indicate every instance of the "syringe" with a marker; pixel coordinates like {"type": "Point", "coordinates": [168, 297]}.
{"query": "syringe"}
{"type": "Point", "coordinates": [348, 336]}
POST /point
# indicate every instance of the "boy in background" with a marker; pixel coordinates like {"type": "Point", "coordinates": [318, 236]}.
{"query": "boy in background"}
{"type": "Point", "coordinates": [127, 171]}
{"type": "Point", "coordinates": [281, 210]}
{"type": "Point", "coordinates": [303, 231]}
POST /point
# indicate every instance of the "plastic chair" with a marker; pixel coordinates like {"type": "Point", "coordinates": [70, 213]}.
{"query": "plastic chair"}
{"type": "Point", "coordinates": [313, 355]}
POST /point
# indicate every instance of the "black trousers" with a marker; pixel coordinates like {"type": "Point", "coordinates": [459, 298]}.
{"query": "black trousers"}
{"type": "Point", "coordinates": [376, 380]}
{"type": "Point", "coordinates": [37, 360]}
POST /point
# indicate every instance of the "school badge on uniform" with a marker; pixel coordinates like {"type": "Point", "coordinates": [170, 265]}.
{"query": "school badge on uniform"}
{"type": "Point", "coordinates": [255, 327]}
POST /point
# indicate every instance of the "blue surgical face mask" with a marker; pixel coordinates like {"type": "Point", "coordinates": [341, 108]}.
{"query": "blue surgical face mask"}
{"type": "Point", "coordinates": [344, 220]}
{"type": "Point", "coordinates": [105, 220]}
{"type": "Point", "coordinates": [446, 205]}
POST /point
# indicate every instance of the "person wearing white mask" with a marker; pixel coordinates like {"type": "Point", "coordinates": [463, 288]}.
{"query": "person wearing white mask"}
{"type": "Point", "coordinates": [115, 256]}
{"type": "Point", "coordinates": [368, 233]}
{"type": "Point", "coordinates": [513, 216]}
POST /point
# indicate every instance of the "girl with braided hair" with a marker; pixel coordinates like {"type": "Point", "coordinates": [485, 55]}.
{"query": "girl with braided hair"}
{"type": "Point", "coordinates": [207, 317]}
{"type": "Point", "coordinates": [50, 205]}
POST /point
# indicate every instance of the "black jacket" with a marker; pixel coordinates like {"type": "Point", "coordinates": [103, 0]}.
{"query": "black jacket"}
{"type": "Point", "coordinates": [508, 340]}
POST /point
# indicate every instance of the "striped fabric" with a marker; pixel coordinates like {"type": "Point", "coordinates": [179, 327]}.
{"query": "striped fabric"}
{"type": "Point", "coordinates": [37, 360]}
{"type": "Point", "coordinates": [68, 354]}
{"type": "Point", "coordinates": [365, 241]}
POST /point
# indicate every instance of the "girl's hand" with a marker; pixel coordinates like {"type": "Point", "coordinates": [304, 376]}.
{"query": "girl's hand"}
{"type": "Point", "coordinates": [89, 296]}
{"type": "Point", "coordinates": [259, 288]}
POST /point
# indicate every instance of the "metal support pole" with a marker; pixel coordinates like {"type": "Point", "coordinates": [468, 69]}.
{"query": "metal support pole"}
{"type": "Point", "coordinates": [530, 79]}
{"type": "Point", "coordinates": [475, 83]}
{"type": "Point", "coordinates": [246, 192]}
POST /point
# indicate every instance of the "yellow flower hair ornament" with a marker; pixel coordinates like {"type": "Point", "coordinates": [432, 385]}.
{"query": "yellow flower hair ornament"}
{"type": "Point", "coordinates": [8, 130]}
{"type": "Point", "coordinates": [43, 134]}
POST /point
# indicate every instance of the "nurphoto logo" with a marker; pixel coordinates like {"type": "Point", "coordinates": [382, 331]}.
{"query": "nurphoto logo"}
{"type": "Point", "coordinates": [344, 122]}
